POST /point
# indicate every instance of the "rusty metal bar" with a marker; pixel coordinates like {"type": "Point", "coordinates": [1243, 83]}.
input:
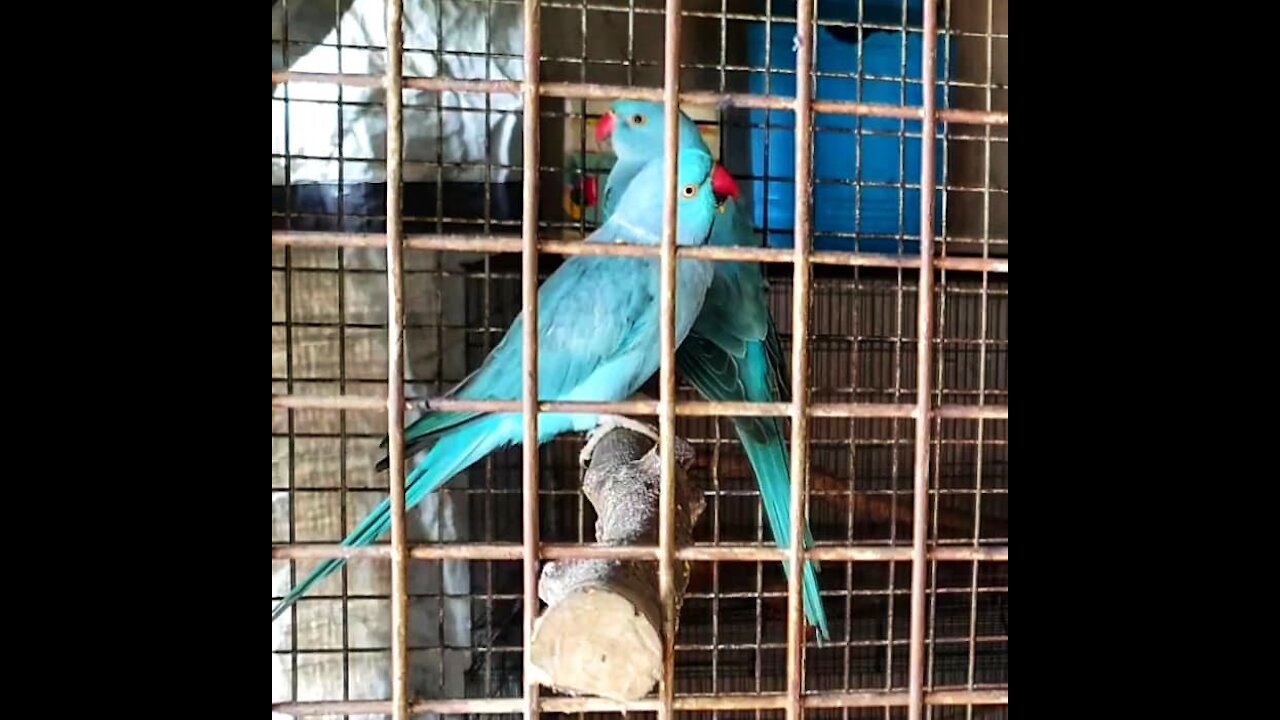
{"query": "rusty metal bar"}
{"type": "Point", "coordinates": [433, 84]}
{"type": "Point", "coordinates": [972, 264]}
{"type": "Point", "coordinates": [529, 295]}
{"type": "Point", "coordinates": [688, 703]}
{"type": "Point", "coordinates": [666, 407]}
{"type": "Point", "coordinates": [395, 402]}
{"type": "Point", "coordinates": [800, 359]}
{"type": "Point", "coordinates": [982, 364]}
{"type": "Point", "coordinates": [697, 553]}
{"type": "Point", "coordinates": [899, 699]}
{"type": "Point", "coordinates": [713, 647]}
{"type": "Point", "coordinates": [501, 244]}
{"type": "Point", "coordinates": [463, 164]}
{"type": "Point", "coordinates": [604, 8]}
{"type": "Point", "coordinates": [595, 91]}
{"type": "Point", "coordinates": [354, 403]}
{"type": "Point", "coordinates": [667, 366]}
{"type": "Point", "coordinates": [741, 595]}
{"type": "Point", "coordinates": [924, 363]}
{"type": "Point", "coordinates": [972, 412]}
{"type": "Point", "coordinates": [688, 408]}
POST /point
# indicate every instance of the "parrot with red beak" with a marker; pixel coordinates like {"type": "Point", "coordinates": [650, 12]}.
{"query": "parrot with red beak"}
{"type": "Point", "coordinates": [598, 341]}
{"type": "Point", "coordinates": [732, 354]}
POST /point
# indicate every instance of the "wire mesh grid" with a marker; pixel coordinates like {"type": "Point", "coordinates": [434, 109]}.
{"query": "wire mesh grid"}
{"type": "Point", "coordinates": [330, 322]}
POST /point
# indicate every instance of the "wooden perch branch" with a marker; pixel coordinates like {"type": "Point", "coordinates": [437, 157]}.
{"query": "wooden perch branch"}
{"type": "Point", "coordinates": [601, 633]}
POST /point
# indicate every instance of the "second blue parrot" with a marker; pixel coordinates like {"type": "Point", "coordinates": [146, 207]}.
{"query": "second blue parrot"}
{"type": "Point", "coordinates": [732, 353]}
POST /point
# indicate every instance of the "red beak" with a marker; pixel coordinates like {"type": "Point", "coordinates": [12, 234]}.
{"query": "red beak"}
{"type": "Point", "coordinates": [723, 184]}
{"type": "Point", "coordinates": [604, 128]}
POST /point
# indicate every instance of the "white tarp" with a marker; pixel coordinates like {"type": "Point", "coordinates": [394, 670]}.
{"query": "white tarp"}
{"type": "Point", "coordinates": [477, 41]}
{"type": "Point", "coordinates": [441, 624]}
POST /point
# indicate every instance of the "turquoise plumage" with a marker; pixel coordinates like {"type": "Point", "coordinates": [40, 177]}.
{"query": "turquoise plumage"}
{"type": "Point", "coordinates": [598, 330]}
{"type": "Point", "coordinates": [732, 353]}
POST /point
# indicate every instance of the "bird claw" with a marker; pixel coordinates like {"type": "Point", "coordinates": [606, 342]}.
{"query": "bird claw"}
{"type": "Point", "coordinates": [608, 423]}
{"type": "Point", "coordinates": [584, 457]}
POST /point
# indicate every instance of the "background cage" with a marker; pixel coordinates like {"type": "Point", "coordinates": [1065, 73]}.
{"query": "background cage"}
{"type": "Point", "coordinates": [332, 653]}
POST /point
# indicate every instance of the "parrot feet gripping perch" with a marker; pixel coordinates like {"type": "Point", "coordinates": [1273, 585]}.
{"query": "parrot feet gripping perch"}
{"type": "Point", "coordinates": [607, 423]}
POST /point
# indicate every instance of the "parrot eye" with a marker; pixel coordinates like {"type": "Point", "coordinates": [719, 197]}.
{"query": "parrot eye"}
{"type": "Point", "coordinates": [688, 191]}
{"type": "Point", "coordinates": [638, 119]}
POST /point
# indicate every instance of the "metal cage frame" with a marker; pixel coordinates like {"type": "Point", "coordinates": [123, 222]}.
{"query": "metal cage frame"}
{"type": "Point", "coordinates": [531, 551]}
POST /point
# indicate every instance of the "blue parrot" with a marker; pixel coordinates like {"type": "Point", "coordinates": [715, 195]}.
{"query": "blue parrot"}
{"type": "Point", "coordinates": [598, 341]}
{"type": "Point", "coordinates": [732, 353]}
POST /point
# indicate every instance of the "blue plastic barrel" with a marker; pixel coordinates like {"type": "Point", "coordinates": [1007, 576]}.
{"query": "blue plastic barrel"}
{"type": "Point", "coordinates": [875, 217]}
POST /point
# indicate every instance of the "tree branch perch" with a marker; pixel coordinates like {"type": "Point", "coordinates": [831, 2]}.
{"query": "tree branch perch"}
{"type": "Point", "coordinates": [601, 633]}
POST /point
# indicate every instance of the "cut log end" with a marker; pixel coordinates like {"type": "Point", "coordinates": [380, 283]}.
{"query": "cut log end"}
{"type": "Point", "coordinates": [601, 633]}
{"type": "Point", "coordinates": [596, 642]}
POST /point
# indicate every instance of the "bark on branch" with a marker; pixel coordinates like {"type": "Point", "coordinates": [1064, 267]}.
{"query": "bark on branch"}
{"type": "Point", "coordinates": [601, 633]}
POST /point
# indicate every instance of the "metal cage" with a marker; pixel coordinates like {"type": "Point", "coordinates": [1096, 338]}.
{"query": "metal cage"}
{"type": "Point", "coordinates": [912, 348]}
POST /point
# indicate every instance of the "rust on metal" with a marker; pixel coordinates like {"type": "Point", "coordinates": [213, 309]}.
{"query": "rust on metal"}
{"type": "Point", "coordinates": [995, 265]}
{"type": "Point", "coordinates": [529, 298]}
{"type": "Point", "coordinates": [595, 91]}
{"type": "Point", "coordinates": [531, 551]}
{"type": "Point", "coordinates": [924, 366]}
{"type": "Point", "coordinates": [688, 408]}
{"type": "Point", "coordinates": [354, 403]}
{"type": "Point", "coordinates": [667, 366]}
{"type": "Point", "coordinates": [687, 703]}
{"type": "Point", "coordinates": [501, 244]}
{"type": "Point", "coordinates": [696, 553]}
{"type": "Point", "coordinates": [972, 412]}
{"type": "Point", "coordinates": [433, 84]}
{"type": "Point", "coordinates": [901, 699]}
{"type": "Point", "coordinates": [800, 359]}
{"type": "Point", "coordinates": [395, 403]}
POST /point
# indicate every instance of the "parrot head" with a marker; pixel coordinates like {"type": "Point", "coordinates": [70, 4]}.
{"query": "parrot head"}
{"type": "Point", "coordinates": [634, 127]}
{"type": "Point", "coordinates": [700, 184]}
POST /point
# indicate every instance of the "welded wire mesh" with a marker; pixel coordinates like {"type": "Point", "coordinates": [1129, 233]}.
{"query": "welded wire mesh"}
{"type": "Point", "coordinates": [330, 327]}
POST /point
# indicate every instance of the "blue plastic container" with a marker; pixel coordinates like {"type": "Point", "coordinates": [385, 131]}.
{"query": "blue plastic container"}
{"type": "Point", "coordinates": [877, 215]}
